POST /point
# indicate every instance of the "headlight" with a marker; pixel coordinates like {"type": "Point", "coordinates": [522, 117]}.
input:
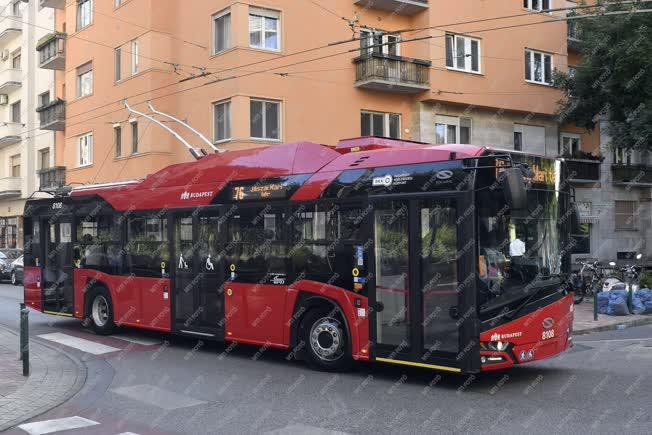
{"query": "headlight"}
{"type": "Point", "coordinates": [496, 346]}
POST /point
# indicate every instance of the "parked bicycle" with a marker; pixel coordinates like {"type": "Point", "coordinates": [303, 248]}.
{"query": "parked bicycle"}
{"type": "Point", "coordinates": [586, 281]}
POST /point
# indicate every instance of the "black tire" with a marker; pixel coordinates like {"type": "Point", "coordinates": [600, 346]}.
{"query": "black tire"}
{"type": "Point", "coordinates": [14, 278]}
{"type": "Point", "coordinates": [330, 349]}
{"type": "Point", "coordinates": [99, 311]}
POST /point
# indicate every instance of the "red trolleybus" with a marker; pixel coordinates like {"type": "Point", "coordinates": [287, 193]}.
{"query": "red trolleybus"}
{"type": "Point", "coordinates": [373, 250]}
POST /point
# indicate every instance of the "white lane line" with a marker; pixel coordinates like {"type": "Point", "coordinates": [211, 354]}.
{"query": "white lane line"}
{"type": "Point", "coordinates": [613, 340]}
{"type": "Point", "coordinates": [58, 425]}
{"type": "Point", "coordinates": [79, 343]}
{"type": "Point", "coordinates": [127, 433]}
{"type": "Point", "coordinates": [144, 341]}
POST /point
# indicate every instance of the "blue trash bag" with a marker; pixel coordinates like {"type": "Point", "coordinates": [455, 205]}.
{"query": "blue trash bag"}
{"type": "Point", "coordinates": [603, 302]}
{"type": "Point", "coordinates": [648, 307]}
{"type": "Point", "coordinates": [617, 306]}
{"type": "Point", "coordinates": [637, 305]}
{"type": "Point", "coordinates": [644, 294]}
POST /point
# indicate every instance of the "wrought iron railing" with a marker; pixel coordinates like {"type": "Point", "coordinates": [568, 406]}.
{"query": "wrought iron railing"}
{"type": "Point", "coordinates": [392, 69]}
{"type": "Point", "coordinates": [633, 174]}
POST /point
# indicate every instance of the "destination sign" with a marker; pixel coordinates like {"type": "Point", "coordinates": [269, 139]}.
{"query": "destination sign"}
{"type": "Point", "coordinates": [259, 191]}
{"type": "Point", "coordinates": [264, 189]}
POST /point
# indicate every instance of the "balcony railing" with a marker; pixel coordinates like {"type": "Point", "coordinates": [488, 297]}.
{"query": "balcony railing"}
{"type": "Point", "coordinates": [583, 170]}
{"type": "Point", "coordinates": [10, 134]}
{"type": "Point", "coordinates": [10, 27]}
{"type": "Point", "coordinates": [10, 187]}
{"type": "Point", "coordinates": [632, 175]}
{"type": "Point", "coordinates": [52, 179]}
{"type": "Point", "coordinates": [399, 7]}
{"type": "Point", "coordinates": [53, 115]}
{"type": "Point", "coordinates": [56, 4]}
{"type": "Point", "coordinates": [52, 50]}
{"type": "Point", "coordinates": [392, 73]}
{"type": "Point", "coordinates": [10, 79]}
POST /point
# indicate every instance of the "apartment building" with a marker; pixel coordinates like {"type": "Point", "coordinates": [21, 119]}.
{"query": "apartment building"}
{"type": "Point", "coordinates": [24, 148]}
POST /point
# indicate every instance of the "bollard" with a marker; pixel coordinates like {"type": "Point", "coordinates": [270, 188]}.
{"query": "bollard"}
{"type": "Point", "coordinates": [595, 306]}
{"type": "Point", "coordinates": [24, 338]}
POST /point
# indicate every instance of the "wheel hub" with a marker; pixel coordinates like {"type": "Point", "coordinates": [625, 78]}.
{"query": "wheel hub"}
{"type": "Point", "coordinates": [100, 311]}
{"type": "Point", "coordinates": [326, 339]}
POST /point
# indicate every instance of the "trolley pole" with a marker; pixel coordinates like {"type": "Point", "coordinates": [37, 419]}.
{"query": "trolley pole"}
{"type": "Point", "coordinates": [24, 338]}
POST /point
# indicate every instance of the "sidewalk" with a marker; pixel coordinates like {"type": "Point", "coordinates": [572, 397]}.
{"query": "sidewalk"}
{"type": "Point", "coordinates": [584, 323]}
{"type": "Point", "coordinates": [55, 377]}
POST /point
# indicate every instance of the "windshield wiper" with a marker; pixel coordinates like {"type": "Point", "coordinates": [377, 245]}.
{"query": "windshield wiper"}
{"type": "Point", "coordinates": [527, 301]}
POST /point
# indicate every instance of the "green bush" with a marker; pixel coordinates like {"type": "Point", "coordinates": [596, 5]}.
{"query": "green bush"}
{"type": "Point", "coordinates": [646, 280]}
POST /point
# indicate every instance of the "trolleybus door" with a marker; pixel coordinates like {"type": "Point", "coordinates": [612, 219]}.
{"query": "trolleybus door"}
{"type": "Point", "coordinates": [57, 265]}
{"type": "Point", "coordinates": [422, 315]}
{"type": "Point", "coordinates": [198, 274]}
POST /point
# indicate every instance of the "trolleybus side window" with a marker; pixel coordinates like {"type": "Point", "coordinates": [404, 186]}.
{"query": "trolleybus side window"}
{"type": "Point", "coordinates": [183, 244]}
{"type": "Point", "coordinates": [32, 241]}
{"type": "Point", "coordinates": [98, 244]}
{"type": "Point", "coordinates": [147, 246]}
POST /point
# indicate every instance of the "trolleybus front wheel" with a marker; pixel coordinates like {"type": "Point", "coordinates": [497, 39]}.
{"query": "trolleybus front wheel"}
{"type": "Point", "coordinates": [326, 340]}
{"type": "Point", "coordinates": [99, 311]}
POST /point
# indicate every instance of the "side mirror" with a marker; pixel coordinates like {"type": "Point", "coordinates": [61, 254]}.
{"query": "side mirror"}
{"type": "Point", "coordinates": [514, 188]}
{"type": "Point", "coordinates": [612, 263]}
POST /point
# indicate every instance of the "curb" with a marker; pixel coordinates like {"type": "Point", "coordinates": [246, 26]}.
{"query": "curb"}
{"type": "Point", "coordinates": [614, 326]}
{"type": "Point", "coordinates": [79, 383]}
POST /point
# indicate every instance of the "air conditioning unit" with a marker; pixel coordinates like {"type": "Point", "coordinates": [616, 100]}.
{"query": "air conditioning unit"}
{"type": "Point", "coordinates": [4, 99]}
{"type": "Point", "coordinates": [4, 54]}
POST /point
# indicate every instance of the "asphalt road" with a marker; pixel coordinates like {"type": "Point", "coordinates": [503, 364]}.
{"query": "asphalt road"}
{"type": "Point", "coordinates": [148, 384]}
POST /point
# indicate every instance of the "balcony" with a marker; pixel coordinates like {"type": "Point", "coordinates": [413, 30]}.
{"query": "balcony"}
{"type": "Point", "coordinates": [574, 36]}
{"type": "Point", "coordinates": [583, 170]}
{"type": "Point", "coordinates": [53, 115]}
{"type": "Point", "coordinates": [52, 179]}
{"type": "Point", "coordinates": [10, 27]}
{"type": "Point", "coordinates": [10, 187]}
{"type": "Point", "coordinates": [10, 134]}
{"type": "Point", "coordinates": [10, 79]}
{"type": "Point", "coordinates": [392, 73]}
{"type": "Point", "coordinates": [632, 175]}
{"type": "Point", "coordinates": [56, 4]}
{"type": "Point", "coordinates": [51, 51]}
{"type": "Point", "coordinates": [399, 7]}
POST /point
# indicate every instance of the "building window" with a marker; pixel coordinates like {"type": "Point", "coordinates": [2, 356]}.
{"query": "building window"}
{"type": "Point", "coordinates": [15, 8]}
{"type": "Point", "coordinates": [625, 214]}
{"type": "Point", "coordinates": [538, 67]}
{"type": "Point", "coordinates": [581, 236]}
{"type": "Point", "coordinates": [570, 144]}
{"type": "Point", "coordinates": [265, 119]}
{"type": "Point", "coordinates": [44, 158]}
{"type": "Point", "coordinates": [452, 129]}
{"type": "Point", "coordinates": [462, 53]}
{"type": "Point", "coordinates": [531, 138]}
{"type": "Point", "coordinates": [117, 3]}
{"type": "Point", "coordinates": [44, 99]}
{"type": "Point", "coordinates": [15, 112]}
{"type": "Point", "coordinates": [84, 13]}
{"type": "Point", "coordinates": [85, 149]}
{"type": "Point", "coordinates": [85, 80]}
{"type": "Point", "coordinates": [222, 31]}
{"type": "Point", "coordinates": [536, 5]}
{"type": "Point", "coordinates": [264, 29]}
{"type": "Point", "coordinates": [380, 124]}
{"type": "Point", "coordinates": [134, 57]}
{"type": "Point", "coordinates": [379, 43]}
{"type": "Point", "coordinates": [134, 137]}
{"type": "Point", "coordinates": [222, 113]}
{"type": "Point", "coordinates": [118, 64]}
{"type": "Point", "coordinates": [117, 138]}
{"type": "Point", "coordinates": [622, 156]}
{"type": "Point", "coordinates": [15, 59]}
{"type": "Point", "coordinates": [15, 165]}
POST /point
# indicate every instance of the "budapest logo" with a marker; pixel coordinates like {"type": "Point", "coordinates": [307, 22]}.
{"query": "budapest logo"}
{"type": "Point", "coordinates": [195, 195]}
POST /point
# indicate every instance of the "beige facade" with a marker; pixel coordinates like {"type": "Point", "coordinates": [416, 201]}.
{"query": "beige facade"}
{"type": "Point", "coordinates": [264, 85]}
{"type": "Point", "coordinates": [24, 148]}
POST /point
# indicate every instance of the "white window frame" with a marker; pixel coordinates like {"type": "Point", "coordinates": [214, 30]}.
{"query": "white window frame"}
{"type": "Point", "coordinates": [370, 40]}
{"type": "Point", "coordinates": [264, 123]}
{"type": "Point", "coordinates": [633, 226]}
{"type": "Point", "coordinates": [386, 123]}
{"type": "Point", "coordinates": [227, 43]}
{"type": "Point", "coordinates": [454, 41]}
{"type": "Point", "coordinates": [135, 57]}
{"type": "Point", "coordinates": [455, 121]}
{"type": "Point", "coordinates": [569, 136]}
{"type": "Point", "coordinates": [85, 139]}
{"type": "Point", "coordinates": [80, 78]}
{"type": "Point", "coordinates": [532, 67]}
{"type": "Point", "coordinates": [537, 5]}
{"type": "Point", "coordinates": [264, 15]}
{"type": "Point", "coordinates": [80, 15]}
{"type": "Point", "coordinates": [228, 121]}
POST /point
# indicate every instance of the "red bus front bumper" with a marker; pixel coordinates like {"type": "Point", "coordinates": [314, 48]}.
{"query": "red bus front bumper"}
{"type": "Point", "coordinates": [541, 334]}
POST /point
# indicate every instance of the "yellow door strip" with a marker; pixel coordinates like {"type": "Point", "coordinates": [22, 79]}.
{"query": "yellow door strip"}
{"type": "Point", "coordinates": [422, 365]}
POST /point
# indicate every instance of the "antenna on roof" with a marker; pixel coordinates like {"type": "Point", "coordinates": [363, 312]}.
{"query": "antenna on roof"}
{"type": "Point", "coordinates": [196, 153]}
{"type": "Point", "coordinates": [185, 124]}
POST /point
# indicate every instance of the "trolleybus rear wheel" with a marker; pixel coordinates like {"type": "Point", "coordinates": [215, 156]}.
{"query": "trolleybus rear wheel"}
{"type": "Point", "coordinates": [99, 311]}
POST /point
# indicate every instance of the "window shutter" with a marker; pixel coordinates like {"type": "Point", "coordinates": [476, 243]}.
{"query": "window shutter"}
{"type": "Point", "coordinates": [475, 56]}
{"type": "Point", "coordinates": [528, 65]}
{"type": "Point", "coordinates": [449, 51]}
{"type": "Point", "coordinates": [83, 69]}
{"type": "Point", "coordinates": [547, 69]}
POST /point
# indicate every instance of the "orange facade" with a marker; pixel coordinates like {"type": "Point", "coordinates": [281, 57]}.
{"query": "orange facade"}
{"type": "Point", "coordinates": [478, 91]}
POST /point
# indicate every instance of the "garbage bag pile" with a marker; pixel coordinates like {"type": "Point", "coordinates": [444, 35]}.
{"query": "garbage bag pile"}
{"type": "Point", "coordinates": [617, 303]}
{"type": "Point", "coordinates": [644, 297]}
{"type": "Point", "coordinates": [614, 302]}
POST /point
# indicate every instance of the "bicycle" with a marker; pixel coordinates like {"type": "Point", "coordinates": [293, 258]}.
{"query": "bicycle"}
{"type": "Point", "coordinates": [583, 285]}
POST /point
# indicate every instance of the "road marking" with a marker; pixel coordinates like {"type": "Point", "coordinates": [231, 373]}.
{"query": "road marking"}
{"type": "Point", "coordinates": [79, 343]}
{"type": "Point", "coordinates": [304, 429]}
{"type": "Point", "coordinates": [612, 340]}
{"type": "Point", "coordinates": [159, 397]}
{"type": "Point", "coordinates": [144, 341]}
{"type": "Point", "coordinates": [57, 425]}
{"type": "Point", "coordinates": [127, 433]}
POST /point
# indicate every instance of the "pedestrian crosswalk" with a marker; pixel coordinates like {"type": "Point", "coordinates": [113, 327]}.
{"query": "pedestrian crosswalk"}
{"type": "Point", "coordinates": [101, 345]}
{"type": "Point", "coordinates": [82, 344]}
{"type": "Point", "coordinates": [61, 425]}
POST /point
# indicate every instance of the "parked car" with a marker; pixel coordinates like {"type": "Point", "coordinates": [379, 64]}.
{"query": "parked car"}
{"type": "Point", "coordinates": [7, 257]}
{"type": "Point", "coordinates": [17, 271]}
